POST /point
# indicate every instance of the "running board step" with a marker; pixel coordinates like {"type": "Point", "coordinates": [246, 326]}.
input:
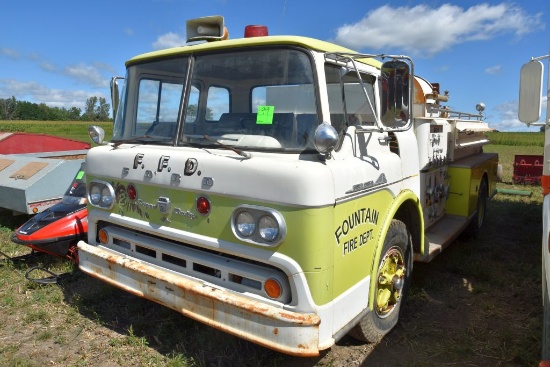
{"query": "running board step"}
{"type": "Point", "coordinates": [441, 235]}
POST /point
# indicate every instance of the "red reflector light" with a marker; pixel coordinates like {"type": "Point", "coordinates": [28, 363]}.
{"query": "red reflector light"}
{"type": "Point", "coordinates": [203, 205]}
{"type": "Point", "coordinates": [255, 31]}
{"type": "Point", "coordinates": [132, 192]}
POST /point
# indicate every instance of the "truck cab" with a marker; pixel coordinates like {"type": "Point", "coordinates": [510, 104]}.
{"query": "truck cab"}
{"type": "Point", "coordinates": [279, 187]}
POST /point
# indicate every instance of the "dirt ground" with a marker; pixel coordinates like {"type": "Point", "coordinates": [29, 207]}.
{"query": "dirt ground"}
{"type": "Point", "coordinates": [476, 304]}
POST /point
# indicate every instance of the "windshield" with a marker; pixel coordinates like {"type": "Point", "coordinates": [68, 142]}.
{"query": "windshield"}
{"type": "Point", "coordinates": [149, 106]}
{"type": "Point", "coordinates": [262, 98]}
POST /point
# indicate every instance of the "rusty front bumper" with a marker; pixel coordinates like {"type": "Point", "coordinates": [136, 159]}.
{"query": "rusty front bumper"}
{"type": "Point", "coordinates": [275, 328]}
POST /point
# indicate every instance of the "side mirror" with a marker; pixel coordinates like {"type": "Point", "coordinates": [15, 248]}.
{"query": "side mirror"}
{"type": "Point", "coordinates": [530, 92]}
{"type": "Point", "coordinates": [325, 138]}
{"type": "Point", "coordinates": [395, 93]}
{"type": "Point", "coordinates": [96, 133]}
{"type": "Point", "coordinates": [115, 93]}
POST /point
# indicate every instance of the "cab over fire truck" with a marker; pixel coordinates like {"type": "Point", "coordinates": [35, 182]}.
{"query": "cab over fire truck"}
{"type": "Point", "coordinates": [529, 112]}
{"type": "Point", "coordinates": [279, 188]}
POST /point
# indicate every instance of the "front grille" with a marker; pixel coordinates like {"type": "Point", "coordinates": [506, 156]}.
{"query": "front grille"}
{"type": "Point", "coordinates": [231, 272]}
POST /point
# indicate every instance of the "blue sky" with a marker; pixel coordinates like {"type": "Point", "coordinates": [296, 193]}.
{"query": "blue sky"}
{"type": "Point", "coordinates": [62, 52]}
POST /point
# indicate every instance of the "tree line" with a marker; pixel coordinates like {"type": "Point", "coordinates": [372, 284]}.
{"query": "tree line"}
{"type": "Point", "coordinates": [96, 109]}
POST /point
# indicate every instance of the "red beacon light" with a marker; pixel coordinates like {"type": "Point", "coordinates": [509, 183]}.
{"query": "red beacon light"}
{"type": "Point", "coordinates": [255, 31]}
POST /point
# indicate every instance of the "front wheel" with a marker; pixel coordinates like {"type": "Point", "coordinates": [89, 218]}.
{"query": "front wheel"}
{"type": "Point", "coordinates": [392, 285]}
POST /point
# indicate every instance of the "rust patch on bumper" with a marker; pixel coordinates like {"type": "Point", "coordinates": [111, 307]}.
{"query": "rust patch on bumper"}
{"type": "Point", "coordinates": [275, 328]}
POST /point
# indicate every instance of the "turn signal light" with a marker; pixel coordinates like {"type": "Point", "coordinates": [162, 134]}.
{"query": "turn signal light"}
{"type": "Point", "coordinates": [273, 288]}
{"type": "Point", "coordinates": [103, 236]}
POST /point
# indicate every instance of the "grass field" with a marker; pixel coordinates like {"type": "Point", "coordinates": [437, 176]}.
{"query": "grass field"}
{"type": "Point", "coordinates": [76, 130]}
{"type": "Point", "coordinates": [517, 138]}
{"type": "Point", "coordinates": [477, 304]}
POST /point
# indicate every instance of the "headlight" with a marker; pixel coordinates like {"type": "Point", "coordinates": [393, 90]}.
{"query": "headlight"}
{"type": "Point", "coordinates": [106, 197]}
{"type": "Point", "coordinates": [95, 194]}
{"type": "Point", "coordinates": [258, 225]}
{"type": "Point", "coordinates": [246, 224]}
{"type": "Point", "coordinates": [268, 227]}
{"type": "Point", "coordinates": [101, 194]}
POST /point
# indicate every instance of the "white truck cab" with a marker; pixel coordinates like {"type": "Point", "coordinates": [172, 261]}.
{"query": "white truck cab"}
{"type": "Point", "coordinates": [279, 187]}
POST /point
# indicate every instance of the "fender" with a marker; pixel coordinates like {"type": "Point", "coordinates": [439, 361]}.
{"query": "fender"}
{"type": "Point", "coordinates": [400, 199]}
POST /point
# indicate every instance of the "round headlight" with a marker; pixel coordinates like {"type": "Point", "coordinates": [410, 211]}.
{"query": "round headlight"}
{"type": "Point", "coordinates": [268, 228]}
{"type": "Point", "coordinates": [245, 224]}
{"type": "Point", "coordinates": [106, 198]}
{"type": "Point", "coordinates": [95, 194]}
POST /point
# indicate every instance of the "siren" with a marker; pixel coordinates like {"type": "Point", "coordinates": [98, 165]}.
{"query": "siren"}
{"type": "Point", "coordinates": [210, 28]}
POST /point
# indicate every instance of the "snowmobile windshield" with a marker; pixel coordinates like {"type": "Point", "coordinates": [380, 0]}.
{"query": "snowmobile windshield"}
{"type": "Point", "coordinates": [76, 193]}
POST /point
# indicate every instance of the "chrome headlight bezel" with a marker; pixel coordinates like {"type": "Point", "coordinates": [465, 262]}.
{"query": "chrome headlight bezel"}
{"type": "Point", "coordinates": [267, 226]}
{"type": "Point", "coordinates": [101, 194]}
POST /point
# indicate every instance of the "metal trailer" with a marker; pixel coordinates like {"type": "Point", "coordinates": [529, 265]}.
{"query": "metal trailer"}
{"type": "Point", "coordinates": [32, 180]}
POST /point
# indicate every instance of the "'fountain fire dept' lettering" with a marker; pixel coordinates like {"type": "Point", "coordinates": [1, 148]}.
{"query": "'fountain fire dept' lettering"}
{"type": "Point", "coordinates": [361, 216]}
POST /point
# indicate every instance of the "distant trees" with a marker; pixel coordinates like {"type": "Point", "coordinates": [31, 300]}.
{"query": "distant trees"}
{"type": "Point", "coordinates": [7, 108]}
{"type": "Point", "coordinates": [97, 109]}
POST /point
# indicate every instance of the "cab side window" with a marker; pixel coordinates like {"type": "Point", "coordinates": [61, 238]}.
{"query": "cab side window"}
{"type": "Point", "coordinates": [348, 104]}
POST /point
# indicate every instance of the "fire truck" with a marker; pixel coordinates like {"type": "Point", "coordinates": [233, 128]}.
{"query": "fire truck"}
{"type": "Point", "coordinates": [279, 188]}
{"type": "Point", "coordinates": [529, 112]}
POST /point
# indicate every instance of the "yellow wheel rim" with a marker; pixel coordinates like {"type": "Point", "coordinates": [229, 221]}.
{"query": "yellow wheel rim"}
{"type": "Point", "coordinates": [391, 277]}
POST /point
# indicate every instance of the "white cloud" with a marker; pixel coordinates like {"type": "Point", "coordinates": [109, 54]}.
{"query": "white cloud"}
{"type": "Point", "coordinates": [168, 40]}
{"type": "Point", "coordinates": [105, 68]}
{"type": "Point", "coordinates": [88, 74]}
{"type": "Point", "coordinates": [47, 66]}
{"type": "Point", "coordinates": [37, 93]}
{"type": "Point", "coordinates": [9, 52]}
{"type": "Point", "coordinates": [494, 69]}
{"type": "Point", "coordinates": [507, 117]}
{"type": "Point", "coordinates": [423, 30]}
{"type": "Point", "coordinates": [96, 75]}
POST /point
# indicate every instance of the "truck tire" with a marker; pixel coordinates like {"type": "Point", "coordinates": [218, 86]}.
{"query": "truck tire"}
{"type": "Point", "coordinates": [475, 226]}
{"type": "Point", "coordinates": [391, 288]}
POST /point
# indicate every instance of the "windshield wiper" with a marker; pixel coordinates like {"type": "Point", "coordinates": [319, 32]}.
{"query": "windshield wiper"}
{"type": "Point", "coordinates": [141, 139]}
{"type": "Point", "coordinates": [240, 152]}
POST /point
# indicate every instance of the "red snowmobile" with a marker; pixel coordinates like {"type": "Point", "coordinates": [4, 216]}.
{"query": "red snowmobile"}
{"type": "Point", "coordinates": [57, 230]}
